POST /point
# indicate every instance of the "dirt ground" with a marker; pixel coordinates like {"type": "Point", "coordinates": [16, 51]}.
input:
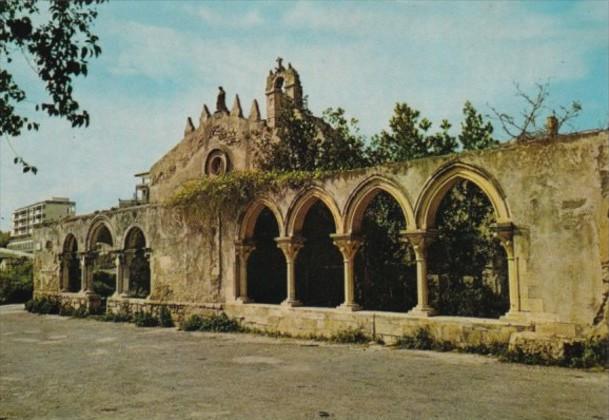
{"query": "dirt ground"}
{"type": "Point", "coordinates": [55, 367]}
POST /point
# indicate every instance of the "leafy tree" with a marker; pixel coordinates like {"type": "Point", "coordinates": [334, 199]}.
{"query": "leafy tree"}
{"type": "Point", "coordinates": [307, 143]}
{"type": "Point", "coordinates": [475, 133]}
{"type": "Point", "coordinates": [57, 49]}
{"type": "Point", "coordinates": [5, 237]}
{"type": "Point", "coordinates": [409, 138]}
{"type": "Point", "coordinates": [342, 146]}
{"type": "Point", "coordinates": [16, 282]}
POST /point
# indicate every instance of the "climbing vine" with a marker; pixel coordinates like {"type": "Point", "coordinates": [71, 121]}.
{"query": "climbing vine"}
{"type": "Point", "coordinates": [206, 197]}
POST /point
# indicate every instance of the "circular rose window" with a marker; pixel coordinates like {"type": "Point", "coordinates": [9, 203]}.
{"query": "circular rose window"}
{"type": "Point", "coordinates": [217, 163]}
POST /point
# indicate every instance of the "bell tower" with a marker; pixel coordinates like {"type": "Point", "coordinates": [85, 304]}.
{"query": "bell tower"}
{"type": "Point", "coordinates": [282, 87]}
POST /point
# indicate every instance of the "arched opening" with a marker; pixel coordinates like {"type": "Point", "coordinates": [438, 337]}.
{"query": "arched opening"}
{"type": "Point", "coordinates": [136, 269]}
{"type": "Point", "coordinates": [103, 272]}
{"type": "Point", "coordinates": [467, 266]}
{"type": "Point", "coordinates": [266, 268]}
{"type": "Point", "coordinates": [71, 273]}
{"type": "Point", "coordinates": [319, 264]}
{"type": "Point", "coordinates": [279, 84]}
{"type": "Point", "coordinates": [385, 266]}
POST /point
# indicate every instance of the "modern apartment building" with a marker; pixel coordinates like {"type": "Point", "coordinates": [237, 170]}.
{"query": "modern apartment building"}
{"type": "Point", "coordinates": [26, 218]}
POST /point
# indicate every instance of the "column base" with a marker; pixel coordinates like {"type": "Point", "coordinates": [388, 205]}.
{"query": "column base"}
{"type": "Point", "coordinates": [512, 315]}
{"type": "Point", "coordinates": [291, 303]}
{"type": "Point", "coordinates": [244, 299]}
{"type": "Point", "coordinates": [349, 307]}
{"type": "Point", "coordinates": [422, 311]}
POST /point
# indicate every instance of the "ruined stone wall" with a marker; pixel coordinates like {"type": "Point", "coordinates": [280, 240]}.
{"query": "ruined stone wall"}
{"type": "Point", "coordinates": [555, 193]}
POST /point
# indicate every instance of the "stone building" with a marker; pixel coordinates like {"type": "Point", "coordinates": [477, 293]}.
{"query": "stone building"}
{"type": "Point", "coordinates": [550, 198]}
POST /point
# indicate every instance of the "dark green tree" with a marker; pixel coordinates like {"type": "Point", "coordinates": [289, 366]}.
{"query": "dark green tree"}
{"type": "Point", "coordinates": [307, 143]}
{"type": "Point", "coordinates": [409, 138]}
{"type": "Point", "coordinates": [476, 134]}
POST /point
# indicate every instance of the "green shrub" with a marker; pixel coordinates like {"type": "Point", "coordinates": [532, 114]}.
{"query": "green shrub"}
{"type": "Point", "coordinates": [220, 323]}
{"type": "Point", "coordinates": [16, 283]}
{"type": "Point", "coordinates": [215, 323]}
{"type": "Point", "coordinates": [192, 323]}
{"type": "Point", "coordinates": [66, 310]}
{"type": "Point", "coordinates": [165, 319]}
{"type": "Point", "coordinates": [43, 305]}
{"type": "Point", "coordinates": [145, 319]}
{"type": "Point", "coordinates": [350, 335]}
{"type": "Point", "coordinates": [121, 317]}
{"type": "Point", "coordinates": [81, 312]}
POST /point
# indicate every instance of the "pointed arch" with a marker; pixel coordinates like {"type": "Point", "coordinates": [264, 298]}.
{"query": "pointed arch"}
{"type": "Point", "coordinates": [134, 233]}
{"type": "Point", "coordinates": [100, 227]}
{"type": "Point", "coordinates": [70, 243]}
{"type": "Point", "coordinates": [302, 203]}
{"type": "Point", "coordinates": [365, 192]}
{"type": "Point", "coordinates": [247, 223]}
{"type": "Point", "coordinates": [444, 179]}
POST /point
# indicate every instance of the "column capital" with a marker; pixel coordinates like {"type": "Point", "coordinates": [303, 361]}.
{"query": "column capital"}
{"type": "Point", "coordinates": [347, 244]}
{"type": "Point", "coordinates": [244, 248]}
{"type": "Point", "coordinates": [290, 245]}
{"type": "Point", "coordinates": [419, 239]}
{"type": "Point", "coordinates": [503, 231]}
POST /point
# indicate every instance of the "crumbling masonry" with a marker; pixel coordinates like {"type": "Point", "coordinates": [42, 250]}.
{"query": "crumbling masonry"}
{"type": "Point", "coordinates": [550, 198]}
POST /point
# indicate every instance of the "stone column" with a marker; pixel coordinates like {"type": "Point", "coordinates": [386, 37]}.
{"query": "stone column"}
{"type": "Point", "coordinates": [505, 233]}
{"type": "Point", "coordinates": [64, 268]}
{"type": "Point", "coordinates": [348, 246]}
{"type": "Point", "coordinates": [119, 263]}
{"type": "Point", "coordinates": [290, 247]}
{"type": "Point", "coordinates": [85, 273]}
{"type": "Point", "coordinates": [243, 250]}
{"type": "Point", "coordinates": [420, 240]}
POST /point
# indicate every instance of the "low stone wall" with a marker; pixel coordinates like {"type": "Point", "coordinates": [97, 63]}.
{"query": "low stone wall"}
{"type": "Point", "coordinates": [90, 302]}
{"type": "Point", "coordinates": [550, 338]}
{"type": "Point", "coordinates": [388, 326]}
{"type": "Point", "coordinates": [179, 311]}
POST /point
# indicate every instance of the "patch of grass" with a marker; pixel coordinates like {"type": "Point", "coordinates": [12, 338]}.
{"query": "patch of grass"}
{"type": "Point", "coordinates": [422, 339]}
{"type": "Point", "coordinates": [350, 335]}
{"type": "Point", "coordinates": [593, 352]}
{"type": "Point", "coordinates": [116, 317]}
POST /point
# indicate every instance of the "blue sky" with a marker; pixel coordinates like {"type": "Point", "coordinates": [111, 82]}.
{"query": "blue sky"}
{"type": "Point", "coordinates": [162, 61]}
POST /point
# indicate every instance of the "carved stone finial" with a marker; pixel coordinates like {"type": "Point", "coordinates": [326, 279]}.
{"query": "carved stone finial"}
{"type": "Point", "coordinates": [221, 101]}
{"type": "Point", "coordinates": [279, 61]}
{"type": "Point", "coordinates": [254, 112]}
{"type": "Point", "coordinates": [205, 114]}
{"type": "Point", "coordinates": [190, 127]}
{"type": "Point", "coordinates": [236, 110]}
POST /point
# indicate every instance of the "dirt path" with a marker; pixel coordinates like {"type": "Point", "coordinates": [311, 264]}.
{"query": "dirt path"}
{"type": "Point", "coordinates": [54, 367]}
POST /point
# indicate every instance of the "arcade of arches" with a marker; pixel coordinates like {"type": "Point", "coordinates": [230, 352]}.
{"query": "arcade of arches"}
{"type": "Point", "coordinates": [380, 264]}
{"type": "Point", "coordinates": [103, 270]}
